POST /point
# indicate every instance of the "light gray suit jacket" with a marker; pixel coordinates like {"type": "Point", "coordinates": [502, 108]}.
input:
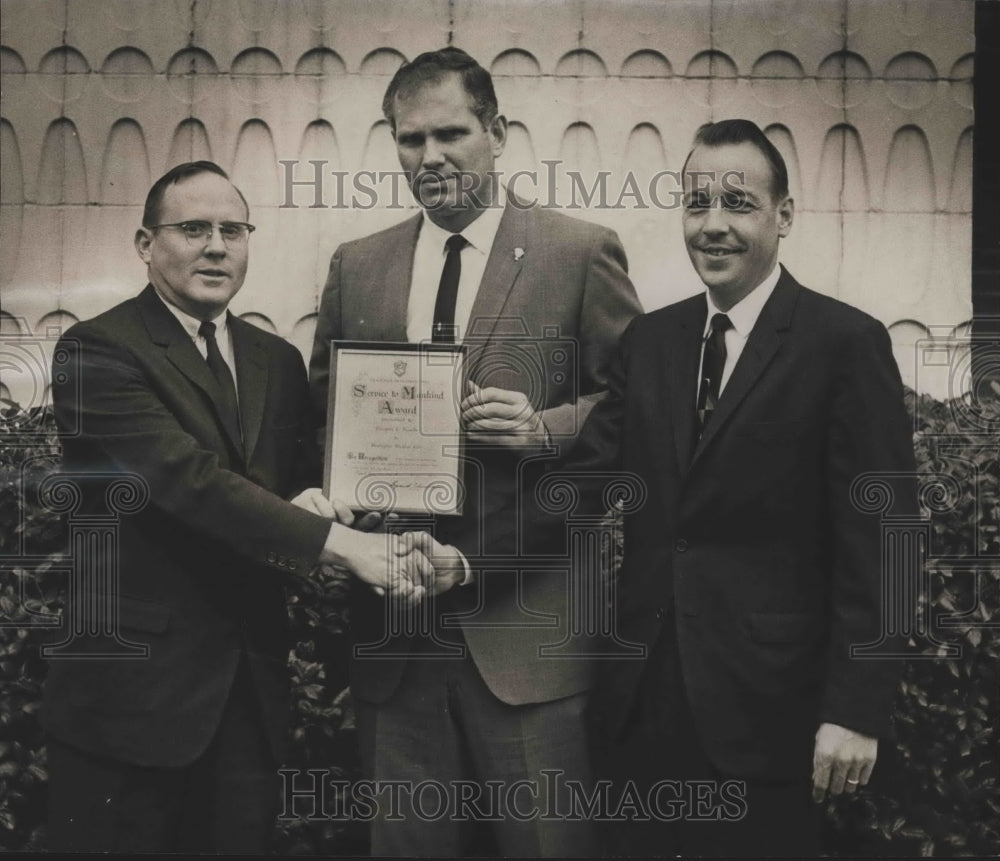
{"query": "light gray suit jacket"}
{"type": "Point", "coordinates": [554, 299]}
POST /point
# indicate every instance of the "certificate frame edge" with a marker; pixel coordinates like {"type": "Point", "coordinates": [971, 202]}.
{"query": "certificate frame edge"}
{"type": "Point", "coordinates": [386, 346]}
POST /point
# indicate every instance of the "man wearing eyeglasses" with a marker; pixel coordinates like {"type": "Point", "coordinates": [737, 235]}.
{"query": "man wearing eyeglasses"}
{"type": "Point", "coordinates": [178, 751]}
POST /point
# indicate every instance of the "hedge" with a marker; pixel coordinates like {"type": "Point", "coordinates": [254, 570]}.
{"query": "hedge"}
{"type": "Point", "coordinates": [935, 791]}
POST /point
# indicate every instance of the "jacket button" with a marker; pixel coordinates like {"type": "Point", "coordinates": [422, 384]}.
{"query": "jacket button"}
{"type": "Point", "coordinates": [660, 613]}
{"type": "Point", "coordinates": [272, 557]}
{"type": "Point", "coordinates": [680, 545]}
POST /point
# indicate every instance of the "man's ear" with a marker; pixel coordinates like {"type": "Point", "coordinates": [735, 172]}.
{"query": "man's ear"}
{"type": "Point", "coordinates": [143, 239]}
{"type": "Point", "coordinates": [498, 133]}
{"type": "Point", "coordinates": [786, 214]}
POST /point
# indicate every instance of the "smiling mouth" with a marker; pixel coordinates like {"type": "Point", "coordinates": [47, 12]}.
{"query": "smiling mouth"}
{"type": "Point", "coordinates": [719, 252]}
{"type": "Point", "coordinates": [213, 273]}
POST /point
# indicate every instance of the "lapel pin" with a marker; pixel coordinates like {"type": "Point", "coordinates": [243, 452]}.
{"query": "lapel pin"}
{"type": "Point", "coordinates": [518, 253]}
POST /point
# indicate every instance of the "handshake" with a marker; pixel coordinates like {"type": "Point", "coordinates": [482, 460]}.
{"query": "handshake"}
{"type": "Point", "coordinates": [407, 567]}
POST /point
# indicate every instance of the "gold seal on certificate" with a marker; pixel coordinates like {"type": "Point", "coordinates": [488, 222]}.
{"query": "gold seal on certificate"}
{"type": "Point", "coordinates": [393, 431]}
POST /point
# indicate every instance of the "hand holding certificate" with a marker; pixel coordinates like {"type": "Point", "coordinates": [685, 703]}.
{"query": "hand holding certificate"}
{"type": "Point", "coordinates": [394, 427]}
{"type": "Point", "coordinates": [502, 417]}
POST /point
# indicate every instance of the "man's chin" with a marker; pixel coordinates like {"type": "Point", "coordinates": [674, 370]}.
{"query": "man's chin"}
{"type": "Point", "coordinates": [435, 200]}
{"type": "Point", "coordinates": [215, 295]}
{"type": "Point", "coordinates": [447, 208]}
{"type": "Point", "coordinates": [714, 277]}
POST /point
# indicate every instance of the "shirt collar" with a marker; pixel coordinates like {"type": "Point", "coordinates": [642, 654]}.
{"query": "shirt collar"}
{"type": "Point", "coordinates": [743, 315]}
{"type": "Point", "coordinates": [480, 234]}
{"type": "Point", "coordinates": [193, 324]}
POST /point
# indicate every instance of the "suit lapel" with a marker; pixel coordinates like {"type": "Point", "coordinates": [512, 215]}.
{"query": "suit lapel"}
{"type": "Point", "coordinates": [501, 272]}
{"type": "Point", "coordinates": [251, 380]}
{"type": "Point", "coordinates": [764, 341]}
{"type": "Point", "coordinates": [166, 331]}
{"type": "Point", "coordinates": [392, 299]}
{"type": "Point", "coordinates": [685, 356]}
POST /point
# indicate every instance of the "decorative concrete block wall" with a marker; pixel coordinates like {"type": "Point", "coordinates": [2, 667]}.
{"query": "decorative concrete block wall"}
{"type": "Point", "coordinates": [870, 101]}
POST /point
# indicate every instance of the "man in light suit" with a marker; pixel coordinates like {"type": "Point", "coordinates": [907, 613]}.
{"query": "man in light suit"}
{"type": "Point", "coordinates": [750, 571]}
{"type": "Point", "coordinates": [534, 290]}
{"type": "Point", "coordinates": [179, 750]}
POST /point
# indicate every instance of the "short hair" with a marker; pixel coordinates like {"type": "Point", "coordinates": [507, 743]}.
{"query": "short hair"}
{"type": "Point", "coordinates": [178, 173]}
{"type": "Point", "coordinates": [431, 67]}
{"type": "Point", "coordinates": [744, 131]}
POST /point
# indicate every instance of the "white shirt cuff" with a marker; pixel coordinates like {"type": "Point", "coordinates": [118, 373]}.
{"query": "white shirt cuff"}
{"type": "Point", "coordinates": [468, 569]}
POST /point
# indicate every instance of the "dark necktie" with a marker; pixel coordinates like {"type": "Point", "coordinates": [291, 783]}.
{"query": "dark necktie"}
{"type": "Point", "coordinates": [228, 405]}
{"type": "Point", "coordinates": [444, 307]}
{"type": "Point", "coordinates": [712, 364]}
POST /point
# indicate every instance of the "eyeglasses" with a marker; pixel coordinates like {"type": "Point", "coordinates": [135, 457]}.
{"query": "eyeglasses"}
{"type": "Point", "coordinates": [200, 232]}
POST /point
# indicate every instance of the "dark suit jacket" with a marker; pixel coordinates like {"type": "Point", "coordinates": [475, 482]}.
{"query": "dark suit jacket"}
{"type": "Point", "coordinates": [202, 565]}
{"type": "Point", "coordinates": [544, 322]}
{"type": "Point", "coordinates": [749, 537]}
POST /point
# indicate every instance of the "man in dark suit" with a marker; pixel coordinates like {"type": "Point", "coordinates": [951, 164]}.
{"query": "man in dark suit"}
{"type": "Point", "coordinates": [178, 751]}
{"type": "Point", "coordinates": [749, 572]}
{"type": "Point", "coordinates": [526, 290]}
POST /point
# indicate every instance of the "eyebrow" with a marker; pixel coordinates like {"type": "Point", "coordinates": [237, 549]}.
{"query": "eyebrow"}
{"type": "Point", "coordinates": [703, 194]}
{"type": "Point", "coordinates": [457, 128]}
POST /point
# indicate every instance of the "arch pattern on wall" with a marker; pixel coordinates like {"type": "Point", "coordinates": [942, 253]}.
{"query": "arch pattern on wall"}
{"type": "Point", "coordinates": [870, 102]}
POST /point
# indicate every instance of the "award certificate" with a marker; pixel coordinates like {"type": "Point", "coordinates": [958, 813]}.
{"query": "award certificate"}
{"type": "Point", "coordinates": [393, 432]}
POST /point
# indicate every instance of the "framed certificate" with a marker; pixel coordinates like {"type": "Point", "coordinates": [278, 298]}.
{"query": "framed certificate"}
{"type": "Point", "coordinates": [393, 430]}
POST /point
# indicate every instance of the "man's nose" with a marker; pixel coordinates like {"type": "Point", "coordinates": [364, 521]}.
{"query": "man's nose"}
{"type": "Point", "coordinates": [433, 155]}
{"type": "Point", "coordinates": [216, 246]}
{"type": "Point", "coordinates": [716, 219]}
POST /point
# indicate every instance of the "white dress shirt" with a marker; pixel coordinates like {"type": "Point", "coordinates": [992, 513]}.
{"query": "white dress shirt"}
{"type": "Point", "coordinates": [743, 315]}
{"type": "Point", "coordinates": [428, 262]}
{"type": "Point", "coordinates": [193, 324]}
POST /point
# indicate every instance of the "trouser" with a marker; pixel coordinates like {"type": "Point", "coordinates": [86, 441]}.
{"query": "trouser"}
{"type": "Point", "coordinates": [463, 773]}
{"type": "Point", "coordinates": [224, 801]}
{"type": "Point", "coordinates": [682, 804]}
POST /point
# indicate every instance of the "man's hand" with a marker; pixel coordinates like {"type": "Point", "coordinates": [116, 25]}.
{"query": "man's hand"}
{"type": "Point", "coordinates": [336, 510]}
{"type": "Point", "coordinates": [842, 760]}
{"type": "Point", "coordinates": [383, 561]}
{"type": "Point", "coordinates": [449, 567]}
{"type": "Point", "coordinates": [501, 417]}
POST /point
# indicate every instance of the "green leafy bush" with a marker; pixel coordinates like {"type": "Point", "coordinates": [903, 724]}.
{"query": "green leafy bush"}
{"type": "Point", "coordinates": [31, 545]}
{"type": "Point", "coordinates": [936, 787]}
{"type": "Point", "coordinates": [937, 790]}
